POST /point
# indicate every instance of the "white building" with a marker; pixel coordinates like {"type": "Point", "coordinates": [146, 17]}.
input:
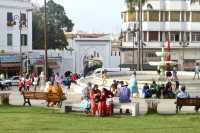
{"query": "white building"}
{"type": "Point", "coordinates": [175, 20]}
{"type": "Point", "coordinates": [90, 48]}
{"type": "Point", "coordinates": [16, 23]}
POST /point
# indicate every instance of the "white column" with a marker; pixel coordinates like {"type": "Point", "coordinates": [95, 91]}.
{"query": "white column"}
{"type": "Point", "coordinates": [159, 15]}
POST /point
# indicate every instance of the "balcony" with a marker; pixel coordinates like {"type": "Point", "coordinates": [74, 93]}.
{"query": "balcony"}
{"type": "Point", "coordinates": [156, 45]}
{"type": "Point", "coordinates": [165, 26]}
{"type": "Point", "coordinates": [171, 26]}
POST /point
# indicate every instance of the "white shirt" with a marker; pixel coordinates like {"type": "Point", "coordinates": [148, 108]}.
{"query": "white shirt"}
{"type": "Point", "coordinates": [182, 94]}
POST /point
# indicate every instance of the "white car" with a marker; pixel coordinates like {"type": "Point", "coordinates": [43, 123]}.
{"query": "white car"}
{"type": "Point", "coordinates": [111, 71]}
{"type": "Point", "coordinates": [12, 81]}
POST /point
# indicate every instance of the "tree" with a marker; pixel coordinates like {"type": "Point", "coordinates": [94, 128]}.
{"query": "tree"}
{"type": "Point", "coordinates": [57, 22]}
{"type": "Point", "coordinates": [131, 5]}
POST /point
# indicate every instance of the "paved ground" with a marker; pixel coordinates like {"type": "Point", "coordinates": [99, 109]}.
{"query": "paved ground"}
{"type": "Point", "coordinates": [166, 106]}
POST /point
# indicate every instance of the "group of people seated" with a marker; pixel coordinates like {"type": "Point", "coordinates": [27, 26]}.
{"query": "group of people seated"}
{"type": "Point", "coordinates": [98, 102]}
{"type": "Point", "coordinates": [119, 87]}
{"type": "Point", "coordinates": [168, 90]}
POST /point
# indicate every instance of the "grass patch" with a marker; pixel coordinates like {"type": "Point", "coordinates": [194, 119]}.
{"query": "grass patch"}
{"type": "Point", "coordinates": [15, 119]}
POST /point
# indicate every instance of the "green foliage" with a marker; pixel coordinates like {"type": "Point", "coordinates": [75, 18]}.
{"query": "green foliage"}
{"type": "Point", "coordinates": [132, 4]}
{"type": "Point", "coordinates": [57, 23]}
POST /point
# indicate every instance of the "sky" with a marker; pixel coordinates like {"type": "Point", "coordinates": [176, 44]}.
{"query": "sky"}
{"type": "Point", "coordinates": [93, 15]}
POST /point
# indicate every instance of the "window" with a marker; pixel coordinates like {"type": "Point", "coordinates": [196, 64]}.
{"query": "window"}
{"type": "Point", "coordinates": [145, 36]}
{"type": "Point", "coordinates": [9, 39]}
{"type": "Point", "coordinates": [151, 54]}
{"type": "Point", "coordinates": [124, 17]}
{"type": "Point", "coordinates": [23, 19]}
{"type": "Point", "coordinates": [185, 36]}
{"type": "Point", "coordinates": [161, 36]}
{"type": "Point", "coordinates": [195, 16]}
{"type": "Point", "coordinates": [182, 16]}
{"type": "Point", "coordinates": [195, 36]}
{"type": "Point", "coordinates": [162, 16]}
{"type": "Point", "coordinates": [164, 36]}
{"type": "Point", "coordinates": [145, 16]}
{"type": "Point", "coordinates": [175, 16]}
{"type": "Point", "coordinates": [166, 16]}
{"type": "Point", "coordinates": [153, 36]}
{"type": "Point", "coordinates": [130, 37]}
{"type": "Point", "coordinates": [174, 36]}
{"type": "Point", "coordinates": [23, 40]}
{"type": "Point", "coordinates": [10, 19]}
{"type": "Point", "coordinates": [132, 16]}
{"type": "Point", "coordinates": [187, 16]}
{"type": "Point", "coordinates": [153, 15]}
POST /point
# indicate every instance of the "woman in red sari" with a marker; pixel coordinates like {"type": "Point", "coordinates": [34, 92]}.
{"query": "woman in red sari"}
{"type": "Point", "coordinates": [94, 99]}
{"type": "Point", "coordinates": [102, 103]}
{"type": "Point", "coordinates": [103, 107]}
{"type": "Point", "coordinates": [109, 103]}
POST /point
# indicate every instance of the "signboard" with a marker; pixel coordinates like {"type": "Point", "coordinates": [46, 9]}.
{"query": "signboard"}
{"type": "Point", "coordinates": [9, 58]}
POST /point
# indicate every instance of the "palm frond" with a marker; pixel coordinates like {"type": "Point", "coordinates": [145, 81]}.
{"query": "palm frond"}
{"type": "Point", "coordinates": [194, 1]}
{"type": "Point", "coordinates": [132, 4]}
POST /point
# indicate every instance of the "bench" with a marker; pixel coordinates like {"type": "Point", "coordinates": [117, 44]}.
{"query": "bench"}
{"type": "Point", "coordinates": [49, 97]}
{"type": "Point", "coordinates": [187, 102]}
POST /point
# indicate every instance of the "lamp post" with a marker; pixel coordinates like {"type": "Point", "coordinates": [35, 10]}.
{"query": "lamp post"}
{"type": "Point", "coordinates": [184, 43]}
{"type": "Point", "coordinates": [140, 47]}
{"type": "Point", "coordinates": [121, 41]}
{"type": "Point", "coordinates": [45, 41]}
{"type": "Point", "coordinates": [18, 17]}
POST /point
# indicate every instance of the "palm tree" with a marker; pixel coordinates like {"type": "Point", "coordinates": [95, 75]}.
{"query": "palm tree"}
{"type": "Point", "coordinates": [132, 5]}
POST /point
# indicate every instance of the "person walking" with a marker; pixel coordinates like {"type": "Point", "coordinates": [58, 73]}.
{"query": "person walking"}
{"type": "Point", "coordinates": [196, 71]}
{"type": "Point", "coordinates": [35, 82]}
{"type": "Point", "coordinates": [174, 74]}
{"type": "Point", "coordinates": [27, 83]}
{"type": "Point", "coordinates": [104, 77]}
{"type": "Point", "coordinates": [134, 73]}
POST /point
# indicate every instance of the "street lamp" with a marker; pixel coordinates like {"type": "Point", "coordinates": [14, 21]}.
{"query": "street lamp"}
{"type": "Point", "coordinates": [184, 43]}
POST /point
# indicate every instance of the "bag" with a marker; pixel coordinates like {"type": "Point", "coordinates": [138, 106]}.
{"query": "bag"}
{"type": "Point", "coordinates": [96, 99]}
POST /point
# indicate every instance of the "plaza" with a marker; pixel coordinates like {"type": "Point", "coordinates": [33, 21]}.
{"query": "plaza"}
{"type": "Point", "coordinates": [142, 79]}
{"type": "Point", "coordinates": [166, 106]}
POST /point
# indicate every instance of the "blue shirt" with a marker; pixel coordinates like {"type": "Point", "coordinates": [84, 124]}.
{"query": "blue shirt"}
{"type": "Point", "coordinates": [124, 94]}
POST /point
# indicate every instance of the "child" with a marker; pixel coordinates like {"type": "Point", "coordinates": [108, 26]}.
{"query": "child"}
{"type": "Point", "coordinates": [27, 84]}
{"type": "Point", "coordinates": [104, 77]}
{"type": "Point", "coordinates": [20, 85]}
{"type": "Point", "coordinates": [85, 105]}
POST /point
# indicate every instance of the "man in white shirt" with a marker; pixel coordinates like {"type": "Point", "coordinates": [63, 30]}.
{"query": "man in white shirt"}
{"type": "Point", "coordinates": [183, 93]}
